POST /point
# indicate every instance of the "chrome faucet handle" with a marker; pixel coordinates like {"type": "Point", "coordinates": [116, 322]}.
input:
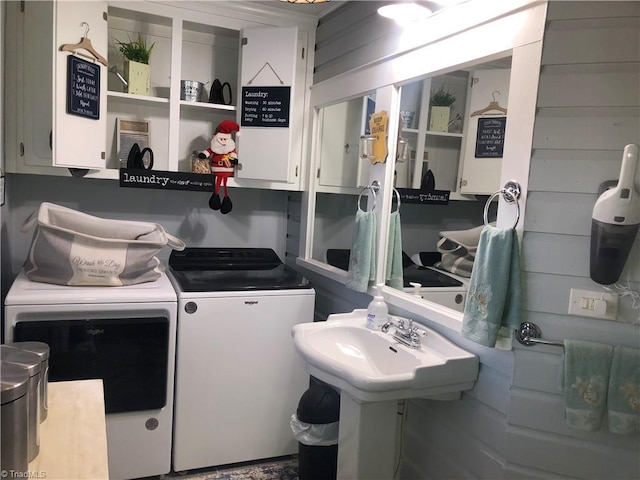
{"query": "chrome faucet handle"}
{"type": "Point", "coordinates": [390, 323]}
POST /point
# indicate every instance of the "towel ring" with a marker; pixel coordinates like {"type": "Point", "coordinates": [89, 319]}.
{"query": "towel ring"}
{"type": "Point", "coordinates": [373, 188]}
{"type": "Point", "coordinates": [511, 194]}
{"type": "Point", "coordinates": [397, 193]}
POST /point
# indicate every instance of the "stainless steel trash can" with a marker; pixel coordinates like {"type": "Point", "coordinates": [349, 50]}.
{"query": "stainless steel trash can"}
{"type": "Point", "coordinates": [14, 384]}
{"type": "Point", "coordinates": [42, 350]}
{"type": "Point", "coordinates": [33, 366]}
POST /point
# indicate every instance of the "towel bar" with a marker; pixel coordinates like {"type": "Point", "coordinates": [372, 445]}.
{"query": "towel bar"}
{"type": "Point", "coordinates": [529, 334]}
{"type": "Point", "coordinates": [511, 194]}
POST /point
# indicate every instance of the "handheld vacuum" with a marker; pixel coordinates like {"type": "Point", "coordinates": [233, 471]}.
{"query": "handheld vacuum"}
{"type": "Point", "coordinates": [615, 223]}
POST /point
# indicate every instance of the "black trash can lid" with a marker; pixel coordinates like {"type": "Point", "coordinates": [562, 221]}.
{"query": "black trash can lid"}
{"type": "Point", "coordinates": [319, 405]}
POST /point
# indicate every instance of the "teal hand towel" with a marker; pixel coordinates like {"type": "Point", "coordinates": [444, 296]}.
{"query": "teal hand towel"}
{"type": "Point", "coordinates": [493, 300]}
{"type": "Point", "coordinates": [394, 276]}
{"type": "Point", "coordinates": [586, 376]}
{"type": "Point", "coordinates": [362, 259]}
{"type": "Point", "coordinates": [623, 398]}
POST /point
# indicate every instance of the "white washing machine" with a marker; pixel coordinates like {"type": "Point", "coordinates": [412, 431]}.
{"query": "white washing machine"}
{"type": "Point", "coordinates": [123, 335]}
{"type": "Point", "coordinates": [238, 376]}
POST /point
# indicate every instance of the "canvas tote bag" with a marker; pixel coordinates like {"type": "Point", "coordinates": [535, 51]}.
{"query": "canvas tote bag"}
{"type": "Point", "coordinates": [74, 248]}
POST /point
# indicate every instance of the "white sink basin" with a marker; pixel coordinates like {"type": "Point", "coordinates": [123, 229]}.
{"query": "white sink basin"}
{"type": "Point", "coordinates": [372, 366]}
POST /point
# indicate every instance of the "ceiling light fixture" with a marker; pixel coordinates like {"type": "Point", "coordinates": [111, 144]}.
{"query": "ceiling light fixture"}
{"type": "Point", "coordinates": [404, 13]}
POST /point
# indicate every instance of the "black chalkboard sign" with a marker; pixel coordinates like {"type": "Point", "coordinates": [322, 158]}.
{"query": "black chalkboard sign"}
{"type": "Point", "coordinates": [265, 106]}
{"type": "Point", "coordinates": [490, 137]}
{"type": "Point", "coordinates": [163, 180]}
{"type": "Point", "coordinates": [83, 88]}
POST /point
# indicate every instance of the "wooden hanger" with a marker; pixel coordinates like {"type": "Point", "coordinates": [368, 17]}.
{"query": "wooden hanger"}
{"type": "Point", "coordinates": [493, 105]}
{"type": "Point", "coordinates": [84, 44]}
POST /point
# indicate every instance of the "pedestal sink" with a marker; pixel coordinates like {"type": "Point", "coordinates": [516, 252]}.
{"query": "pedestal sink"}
{"type": "Point", "coordinates": [373, 371]}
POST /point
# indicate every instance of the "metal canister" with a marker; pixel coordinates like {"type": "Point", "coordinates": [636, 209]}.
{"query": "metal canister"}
{"type": "Point", "coordinates": [42, 350]}
{"type": "Point", "coordinates": [14, 385]}
{"type": "Point", "coordinates": [33, 365]}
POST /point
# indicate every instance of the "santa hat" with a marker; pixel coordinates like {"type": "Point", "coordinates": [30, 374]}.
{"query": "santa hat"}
{"type": "Point", "coordinates": [226, 127]}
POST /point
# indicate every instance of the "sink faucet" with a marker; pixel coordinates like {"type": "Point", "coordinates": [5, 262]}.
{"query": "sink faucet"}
{"type": "Point", "coordinates": [406, 334]}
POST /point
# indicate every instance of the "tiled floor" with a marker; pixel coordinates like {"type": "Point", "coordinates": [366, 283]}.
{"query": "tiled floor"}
{"type": "Point", "coordinates": [285, 468]}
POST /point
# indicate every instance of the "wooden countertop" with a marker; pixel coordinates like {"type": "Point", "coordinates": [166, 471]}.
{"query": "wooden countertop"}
{"type": "Point", "coordinates": [73, 438]}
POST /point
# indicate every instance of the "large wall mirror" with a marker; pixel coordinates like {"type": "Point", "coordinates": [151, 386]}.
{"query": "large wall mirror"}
{"type": "Point", "coordinates": [433, 160]}
{"type": "Point", "coordinates": [448, 148]}
{"type": "Point", "coordinates": [484, 137]}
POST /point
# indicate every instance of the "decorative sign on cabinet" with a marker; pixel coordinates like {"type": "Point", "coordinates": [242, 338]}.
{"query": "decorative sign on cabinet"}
{"type": "Point", "coordinates": [490, 137]}
{"type": "Point", "coordinates": [265, 106]}
{"type": "Point", "coordinates": [83, 88]}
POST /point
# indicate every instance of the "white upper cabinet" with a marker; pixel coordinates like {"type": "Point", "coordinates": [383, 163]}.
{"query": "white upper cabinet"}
{"type": "Point", "coordinates": [263, 53]}
{"type": "Point", "coordinates": [271, 104]}
{"type": "Point", "coordinates": [79, 85]}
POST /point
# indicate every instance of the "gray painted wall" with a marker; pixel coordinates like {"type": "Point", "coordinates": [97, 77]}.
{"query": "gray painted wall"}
{"type": "Point", "coordinates": [511, 425]}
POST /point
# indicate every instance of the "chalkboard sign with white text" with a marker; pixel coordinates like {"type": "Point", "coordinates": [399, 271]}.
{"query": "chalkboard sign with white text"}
{"type": "Point", "coordinates": [83, 88]}
{"type": "Point", "coordinates": [265, 106]}
{"type": "Point", "coordinates": [490, 137]}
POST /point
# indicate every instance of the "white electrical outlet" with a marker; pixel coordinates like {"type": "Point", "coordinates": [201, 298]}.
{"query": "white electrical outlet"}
{"type": "Point", "coordinates": [587, 303]}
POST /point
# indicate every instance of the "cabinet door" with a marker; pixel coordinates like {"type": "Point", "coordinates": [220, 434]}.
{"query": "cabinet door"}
{"type": "Point", "coordinates": [79, 129]}
{"type": "Point", "coordinates": [271, 104]}
{"type": "Point", "coordinates": [34, 82]}
{"type": "Point", "coordinates": [482, 156]}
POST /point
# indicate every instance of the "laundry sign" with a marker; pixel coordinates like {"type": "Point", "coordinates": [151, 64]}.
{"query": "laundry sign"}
{"type": "Point", "coordinates": [83, 88]}
{"type": "Point", "coordinates": [164, 180]}
{"type": "Point", "coordinates": [490, 137]}
{"type": "Point", "coordinates": [265, 106]}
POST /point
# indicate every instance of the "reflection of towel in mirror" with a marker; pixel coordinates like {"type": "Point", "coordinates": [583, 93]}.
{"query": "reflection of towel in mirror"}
{"type": "Point", "coordinates": [362, 261]}
{"type": "Point", "coordinates": [624, 391]}
{"type": "Point", "coordinates": [394, 252]}
{"type": "Point", "coordinates": [458, 250]}
{"type": "Point", "coordinates": [493, 300]}
{"type": "Point", "coordinates": [586, 375]}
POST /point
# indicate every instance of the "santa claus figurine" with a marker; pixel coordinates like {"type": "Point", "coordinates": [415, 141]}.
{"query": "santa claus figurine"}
{"type": "Point", "coordinates": [223, 158]}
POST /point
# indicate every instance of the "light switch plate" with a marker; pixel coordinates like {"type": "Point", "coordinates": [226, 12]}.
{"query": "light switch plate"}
{"type": "Point", "coordinates": [587, 303]}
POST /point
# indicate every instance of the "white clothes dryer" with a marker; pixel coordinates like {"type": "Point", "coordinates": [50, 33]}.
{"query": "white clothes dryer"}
{"type": "Point", "coordinates": [122, 335]}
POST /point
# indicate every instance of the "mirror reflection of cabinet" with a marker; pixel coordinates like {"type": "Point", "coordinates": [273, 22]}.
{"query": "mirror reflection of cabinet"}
{"type": "Point", "coordinates": [429, 149]}
{"type": "Point", "coordinates": [485, 127]}
{"type": "Point", "coordinates": [340, 128]}
{"type": "Point", "coordinates": [451, 156]}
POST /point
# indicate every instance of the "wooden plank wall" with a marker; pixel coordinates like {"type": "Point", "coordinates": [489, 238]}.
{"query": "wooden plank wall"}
{"type": "Point", "coordinates": [351, 36]}
{"type": "Point", "coordinates": [588, 110]}
{"type": "Point", "coordinates": [511, 425]}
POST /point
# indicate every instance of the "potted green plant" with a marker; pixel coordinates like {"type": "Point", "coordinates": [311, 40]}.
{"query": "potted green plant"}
{"type": "Point", "coordinates": [136, 66]}
{"type": "Point", "coordinates": [441, 102]}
